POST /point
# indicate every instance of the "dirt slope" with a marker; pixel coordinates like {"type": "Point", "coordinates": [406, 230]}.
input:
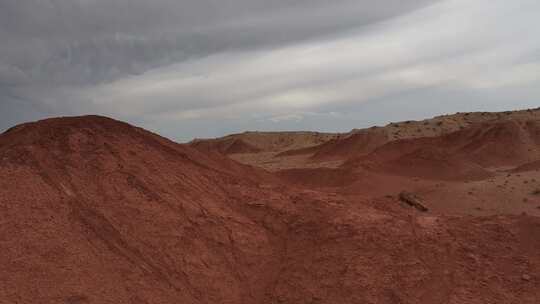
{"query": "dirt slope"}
{"type": "Point", "coordinates": [97, 211]}
{"type": "Point", "coordinates": [532, 166]}
{"type": "Point", "coordinates": [515, 126]}
{"type": "Point", "coordinates": [227, 147]}
{"type": "Point", "coordinates": [466, 163]}
{"type": "Point", "coordinates": [359, 143]}
{"type": "Point", "coordinates": [265, 141]}
{"type": "Point", "coordinates": [276, 151]}
{"type": "Point", "coordinates": [464, 154]}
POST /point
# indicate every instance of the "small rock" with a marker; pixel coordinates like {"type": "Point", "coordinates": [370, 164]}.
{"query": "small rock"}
{"type": "Point", "coordinates": [413, 201]}
{"type": "Point", "coordinates": [526, 277]}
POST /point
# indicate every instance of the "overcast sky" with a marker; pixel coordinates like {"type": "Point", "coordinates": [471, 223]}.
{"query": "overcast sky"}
{"type": "Point", "coordinates": [206, 68]}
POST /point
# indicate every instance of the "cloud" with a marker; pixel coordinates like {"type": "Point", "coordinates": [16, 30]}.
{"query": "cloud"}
{"type": "Point", "coordinates": [211, 69]}
{"type": "Point", "coordinates": [94, 41]}
{"type": "Point", "coordinates": [363, 65]}
{"type": "Point", "coordinates": [287, 117]}
{"type": "Point", "coordinates": [11, 75]}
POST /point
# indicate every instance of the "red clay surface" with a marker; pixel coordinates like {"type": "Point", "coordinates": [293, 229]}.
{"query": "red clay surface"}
{"type": "Point", "coordinates": [93, 210]}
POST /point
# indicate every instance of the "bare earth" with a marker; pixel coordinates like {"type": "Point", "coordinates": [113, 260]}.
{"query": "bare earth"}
{"type": "Point", "coordinates": [93, 210]}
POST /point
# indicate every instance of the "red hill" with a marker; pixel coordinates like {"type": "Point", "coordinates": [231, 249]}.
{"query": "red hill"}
{"type": "Point", "coordinates": [228, 146]}
{"type": "Point", "coordinates": [97, 211]}
{"type": "Point", "coordinates": [462, 155]}
{"type": "Point", "coordinates": [356, 144]}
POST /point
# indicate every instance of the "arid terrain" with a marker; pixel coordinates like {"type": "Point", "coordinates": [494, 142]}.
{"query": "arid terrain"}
{"type": "Point", "coordinates": [446, 210]}
{"type": "Point", "coordinates": [467, 163]}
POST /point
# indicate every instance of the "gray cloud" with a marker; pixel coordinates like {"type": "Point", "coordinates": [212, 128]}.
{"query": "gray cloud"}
{"type": "Point", "coordinates": [11, 75]}
{"type": "Point", "coordinates": [213, 67]}
{"type": "Point", "coordinates": [85, 41]}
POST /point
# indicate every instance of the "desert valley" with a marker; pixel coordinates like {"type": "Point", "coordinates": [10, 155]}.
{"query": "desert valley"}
{"type": "Point", "coordinates": [445, 210]}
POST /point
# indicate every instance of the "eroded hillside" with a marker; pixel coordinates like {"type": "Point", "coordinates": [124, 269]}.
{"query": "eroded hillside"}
{"type": "Point", "coordinates": [97, 211]}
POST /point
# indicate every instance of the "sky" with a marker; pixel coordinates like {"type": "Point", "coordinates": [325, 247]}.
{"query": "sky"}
{"type": "Point", "coordinates": [206, 68]}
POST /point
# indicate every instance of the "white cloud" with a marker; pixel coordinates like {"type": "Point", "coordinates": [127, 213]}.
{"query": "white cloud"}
{"type": "Point", "coordinates": [456, 41]}
{"type": "Point", "coordinates": [466, 45]}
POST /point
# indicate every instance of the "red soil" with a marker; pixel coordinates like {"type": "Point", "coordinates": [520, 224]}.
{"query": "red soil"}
{"type": "Point", "coordinates": [230, 146]}
{"type": "Point", "coordinates": [508, 143]}
{"type": "Point", "coordinates": [319, 177]}
{"type": "Point", "coordinates": [97, 211]}
{"type": "Point", "coordinates": [462, 155]}
{"type": "Point", "coordinates": [532, 166]}
{"type": "Point", "coordinates": [360, 143]}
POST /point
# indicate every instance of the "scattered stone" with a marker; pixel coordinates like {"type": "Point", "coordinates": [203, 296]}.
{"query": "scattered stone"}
{"type": "Point", "coordinates": [412, 200]}
{"type": "Point", "coordinates": [526, 277]}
